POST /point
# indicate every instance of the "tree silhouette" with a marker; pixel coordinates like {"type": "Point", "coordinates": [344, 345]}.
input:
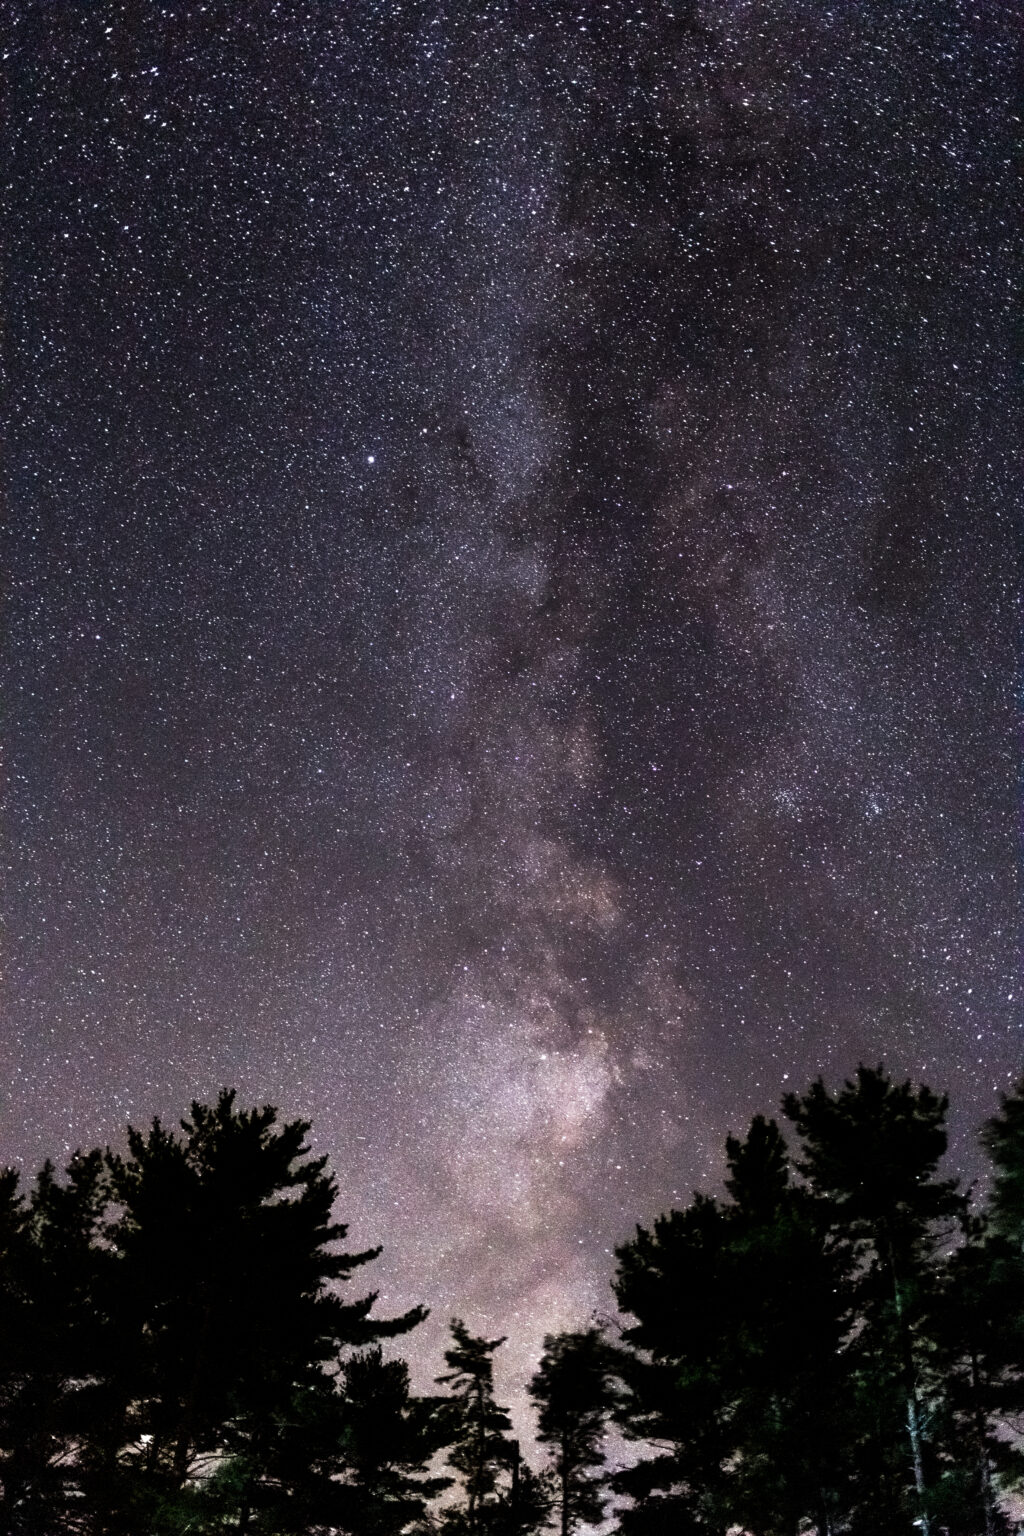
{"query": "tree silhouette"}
{"type": "Point", "coordinates": [481, 1447]}
{"type": "Point", "coordinates": [675, 1391]}
{"type": "Point", "coordinates": [798, 1354]}
{"type": "Point", "coordinates": [229, 1312]}
{"type": "Point", "coordinates": [389, 1438]}
{"type": "Point", "coordinates": [736, 1375]}
{"type": "Point", "coordinates": [966, 1327]}
{"type": "Point", "coordinates": [835, 1344]}
{"type": "Point", "coordinates": [1003, 1139]}
{"type": "Point", "coordinates": [790, 1303]}
{"type": "Point", "coordinates": [54, 1339]}
{"type": "Point", "coordinates": [870, 1157]}
{"type": "Point", "coordinates": [574, 1396]}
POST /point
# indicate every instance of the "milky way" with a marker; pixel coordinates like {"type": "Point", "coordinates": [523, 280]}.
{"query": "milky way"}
{"type": "Point", "coordinates": [512, 584]}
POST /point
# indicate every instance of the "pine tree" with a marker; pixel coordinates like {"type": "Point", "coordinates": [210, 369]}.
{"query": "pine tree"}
{"type": "Point", "coordinates": [55, 1336]}
{"type": "Point", "coordinates": [482, 1450]}
{"type": "Point", "coordinates": [524, 1504]}
{"type": "Point", "coordinates": [791, 1317]}
{"type": "Point", "coordinates": [966, 1324]}
{"type": "Point", "coordinates": [228, 1265]}
{"type": "Point", "coordinates": [736, 1370]}
{"type": "Point", "coordinates": [870, 1156]}
{"type": "Point", "coordinates": [573, 1393]}
{"type": "Point", "coordinates": [1003, 1139]}
{"type": "Point", "coordinates": [674, 1374]}
{"type": "Point", "coordinates": [388, 1439]}
{"type": "Point", "coordinates": [16, 1362]}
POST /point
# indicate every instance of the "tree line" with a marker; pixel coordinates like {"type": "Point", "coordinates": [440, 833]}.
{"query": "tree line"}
{"type": "Point", "coordinates": [834, 1345]}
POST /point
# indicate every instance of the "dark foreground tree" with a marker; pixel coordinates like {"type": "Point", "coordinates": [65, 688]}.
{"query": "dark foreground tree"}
{"type": "Point", "coordinates": [574, 1396]}
{"type": "Point", "coordinates": [965, 1324]}
{"type": "Point", "coordinates": [482, 1451]}
{"type": "Point", "coordinates": [676, 1392]}
{"type": "Point", "coordinates": [736, 1374]}
{"type": "Point", "coordinates": [522, 1504]}
{"type": "Point", "coordinates": [171, 1329]}
{"type": "Point", "coordinates": [870, 1157]}
{"type": "Point", "coordinates": [1003, 1139]}
{"type": "Point", "coordinates": [837, 1349]}
{"type": "Point", "coordinates": [809, 1353]}
{"type": "Point", "coordinates": [229, 1313]}
{"type": "Point", "coordinates": [790, 1302]}
{"type": "Point", "coordinates": [385, 1443]}
{"type": "Point", "coordinates": [55, 1340]}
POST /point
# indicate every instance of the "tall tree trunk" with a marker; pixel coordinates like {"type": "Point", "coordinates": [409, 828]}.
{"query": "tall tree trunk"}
{"type": "Point", "coordinates": [823, 1522]}
{"type": "Point", "coordinates": [913, 1407]}
{"type": "Point", "coordinates": [914, 1428]}
{"type": "Point", "coordinates": [514, 1491]}
{"type": "Point", "coordinates": [475, 1488]}
{"type": "Point", "coordinates": [984, 1469]}
{"type": "Point", "coordinates": [565, 1485]}
{"type": "Point", "coordinates": [186, 1424]}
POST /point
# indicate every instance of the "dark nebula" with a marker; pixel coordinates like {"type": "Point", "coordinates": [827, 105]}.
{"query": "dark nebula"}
{"type": "Point", "coordinates": [512, 593]}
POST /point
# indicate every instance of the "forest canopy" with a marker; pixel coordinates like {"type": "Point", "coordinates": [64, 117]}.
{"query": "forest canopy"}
{"type": "Point", "coordinates": [832, 1344]}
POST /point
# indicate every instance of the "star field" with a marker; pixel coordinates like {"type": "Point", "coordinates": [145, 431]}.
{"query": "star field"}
{"type": "Point", "coordinates": [512, 594]}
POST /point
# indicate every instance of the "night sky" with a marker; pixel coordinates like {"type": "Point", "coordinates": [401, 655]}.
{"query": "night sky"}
{"type": "Point", "coordinates": [511, 594]}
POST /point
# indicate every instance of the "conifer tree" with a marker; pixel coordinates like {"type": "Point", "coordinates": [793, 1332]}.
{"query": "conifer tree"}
{"type": "Point", "coordinates": [16, 1363]}
{"type": "Point", "coordinates": [966, 1324]}
{"type": "Point", "coordinates": [870, 1156]}
{"type": "Point", "coordinates": [388, 1439]}
{"type": "Point", "coordinates": [790, 1302]}
{"type": "Point", "coordinates": [1003, 1139]}
{"type": "Point", "coordinates": [572, 1390]}
{"type": "Point", "coordinates": [675, 1388]}
{"type": "Point", "coordinates": [228, 1307]}
{"type": "Point", "coordinates": [523, 1503]}
{"type": "Point", "coordinates": [55, 1340]}
{"type": "Point", "coordinates": [735, 1370]}
{"type": "Point", "coordinates": [482, 1450]}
